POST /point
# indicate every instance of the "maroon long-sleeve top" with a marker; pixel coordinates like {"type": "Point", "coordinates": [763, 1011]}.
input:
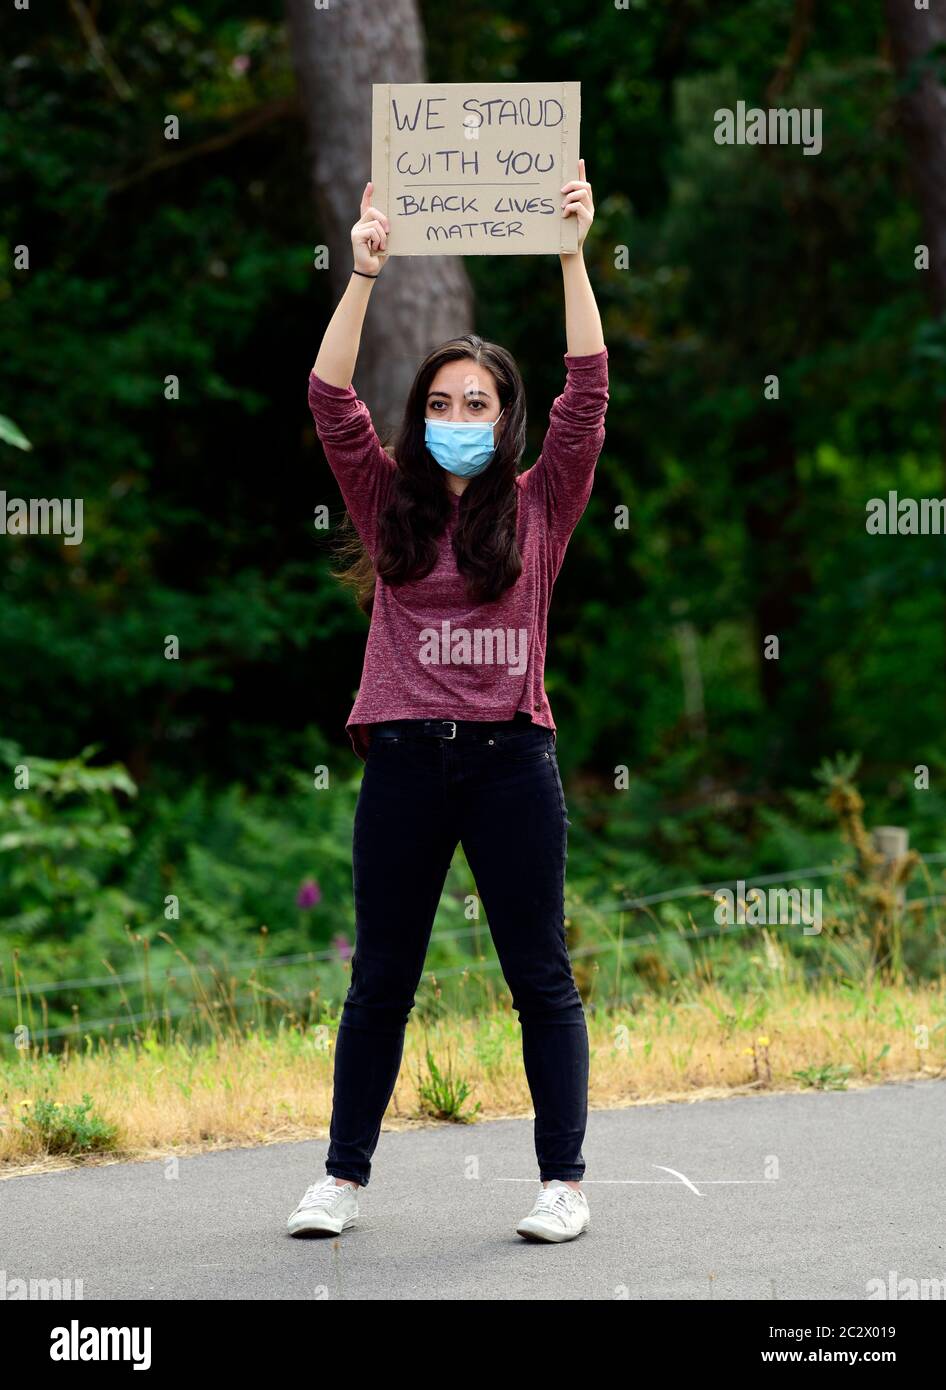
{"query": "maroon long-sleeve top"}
{"type": "Point", "coordinates": [431, 653]}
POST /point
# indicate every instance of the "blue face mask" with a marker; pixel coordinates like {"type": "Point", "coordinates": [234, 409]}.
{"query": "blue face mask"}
{"type": "Point", "coordinates": [462, 447]}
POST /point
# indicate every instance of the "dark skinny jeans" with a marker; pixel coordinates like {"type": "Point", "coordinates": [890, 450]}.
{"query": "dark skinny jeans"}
{"type": "Point", "coordinates": [496, 789]}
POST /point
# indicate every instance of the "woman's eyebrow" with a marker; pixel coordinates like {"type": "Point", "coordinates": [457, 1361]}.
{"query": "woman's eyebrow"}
{"type": "Point", "coordinates": [467, 394]}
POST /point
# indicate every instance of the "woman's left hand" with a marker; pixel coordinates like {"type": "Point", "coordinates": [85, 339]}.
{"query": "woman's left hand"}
{"type": "Point", "coordinates": [578, 202]}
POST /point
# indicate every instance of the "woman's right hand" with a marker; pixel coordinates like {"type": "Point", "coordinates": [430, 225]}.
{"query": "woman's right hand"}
{"type": "Point", "coordinates": [369, 236]}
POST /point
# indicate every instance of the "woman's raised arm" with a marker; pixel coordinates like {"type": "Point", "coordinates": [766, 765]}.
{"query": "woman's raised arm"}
{"type": "Point", "coordinates": [338, 354]}
{"type": "Point", "coordinates": [583, 332]}
{"type": "Point", "coordinates": [342, 422]}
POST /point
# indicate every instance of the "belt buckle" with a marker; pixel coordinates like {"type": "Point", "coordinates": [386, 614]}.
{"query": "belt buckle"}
{"type": "Point", "coordinates": [453, 724]}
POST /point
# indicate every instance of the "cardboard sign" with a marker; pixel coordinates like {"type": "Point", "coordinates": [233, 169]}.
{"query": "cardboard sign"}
{"type": "Point", "coordinates": [475, 168]}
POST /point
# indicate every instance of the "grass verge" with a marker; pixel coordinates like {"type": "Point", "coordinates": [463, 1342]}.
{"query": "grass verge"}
{"type": "Point", "coordinates": [152, 1098]}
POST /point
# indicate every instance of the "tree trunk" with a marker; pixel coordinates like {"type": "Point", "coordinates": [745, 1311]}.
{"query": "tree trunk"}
{"type": "Point", "coordinates": [419, 301]}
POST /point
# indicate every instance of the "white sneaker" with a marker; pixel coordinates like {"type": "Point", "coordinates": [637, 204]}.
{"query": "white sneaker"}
{"type": "Point", "coordinates": [327, 1206]}
{"type": "Point", "coordinates": [560, 1213]}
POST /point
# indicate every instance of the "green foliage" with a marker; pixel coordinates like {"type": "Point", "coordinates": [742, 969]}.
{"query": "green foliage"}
{"type": "Point", "coordinates": [824, 1078]}
{"type": "Point", "coordinates": [69, 1129]}
{"type": "Point", "coordinates": [61, 832]}
{"type": "Point", "coordinates": [12, 434]}
{"type": "Point", "coordinates": [442, 1093]}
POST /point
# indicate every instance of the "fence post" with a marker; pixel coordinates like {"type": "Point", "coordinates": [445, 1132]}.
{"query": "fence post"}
{"type": "Point", "coordinates": [892, 842]}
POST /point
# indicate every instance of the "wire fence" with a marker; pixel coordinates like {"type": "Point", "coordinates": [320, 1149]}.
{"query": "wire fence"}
{"type": "Point", "coordinates": [333, 955]}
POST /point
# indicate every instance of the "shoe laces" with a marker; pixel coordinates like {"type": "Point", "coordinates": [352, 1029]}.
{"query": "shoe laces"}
{"type": "Point", "coordinates": [322, 1194]}
{"type": "Point", "coordinates": [555, 1200]}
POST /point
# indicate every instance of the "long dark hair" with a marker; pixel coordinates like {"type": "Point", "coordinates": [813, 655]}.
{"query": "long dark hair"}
{"type": "Point", "coordinates": [419, 506]}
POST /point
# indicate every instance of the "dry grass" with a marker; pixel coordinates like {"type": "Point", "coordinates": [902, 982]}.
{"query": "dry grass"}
{"type": "Point", "coordinates": [179, 1098]}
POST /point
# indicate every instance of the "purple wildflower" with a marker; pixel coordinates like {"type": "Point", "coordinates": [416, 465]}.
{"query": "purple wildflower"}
{"type": "Point", "coordinates": [309, 894]}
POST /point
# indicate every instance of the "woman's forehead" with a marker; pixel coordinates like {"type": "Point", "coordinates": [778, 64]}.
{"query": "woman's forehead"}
{"type": "Point", "coordinates": [465, 378]}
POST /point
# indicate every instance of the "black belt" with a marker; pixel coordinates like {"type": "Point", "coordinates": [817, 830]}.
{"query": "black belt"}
{"type": "Point", "coordinates": [452, 728]}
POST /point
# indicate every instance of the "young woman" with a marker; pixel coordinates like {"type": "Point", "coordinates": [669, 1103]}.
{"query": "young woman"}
{"type": "Point", "coordinates": [451, 717]}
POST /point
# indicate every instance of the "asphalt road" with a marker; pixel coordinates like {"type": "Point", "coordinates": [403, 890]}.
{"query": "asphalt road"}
{"type": "Point", "coordinates": [802, 1196]}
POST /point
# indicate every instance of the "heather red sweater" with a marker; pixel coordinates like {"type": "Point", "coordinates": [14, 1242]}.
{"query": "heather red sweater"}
{"type": "Point", "coordinates": [430, 653]}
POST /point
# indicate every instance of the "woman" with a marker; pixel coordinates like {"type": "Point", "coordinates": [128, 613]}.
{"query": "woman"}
{"type": "Point", "coordinates": [451, 717]}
